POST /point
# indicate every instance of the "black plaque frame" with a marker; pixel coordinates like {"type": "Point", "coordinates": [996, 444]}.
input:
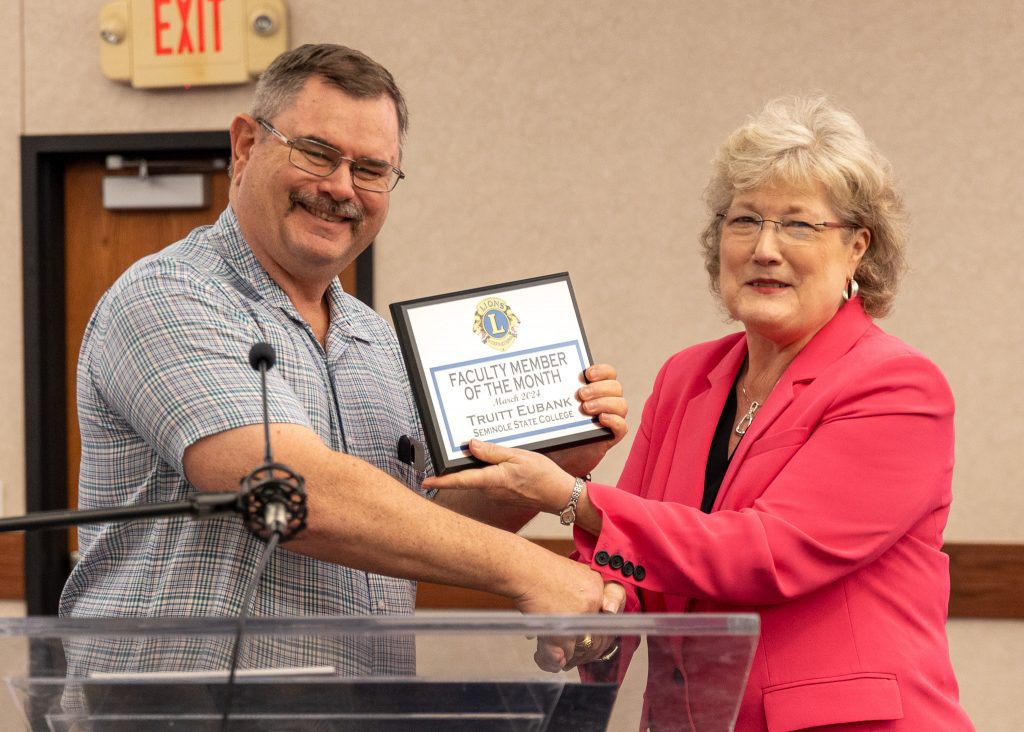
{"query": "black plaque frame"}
{"type": "Point", "coordinates": [434, 423]}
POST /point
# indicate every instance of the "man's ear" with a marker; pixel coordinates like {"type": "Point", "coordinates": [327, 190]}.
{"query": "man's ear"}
{"type": "Point", "coordinates": [243, 137]}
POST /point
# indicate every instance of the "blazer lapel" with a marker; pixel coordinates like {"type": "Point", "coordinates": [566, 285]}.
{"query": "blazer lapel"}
{"type": "Point", "coordinates": [685, 484]}
{"type": "Point", "coordinates": [828, 345]}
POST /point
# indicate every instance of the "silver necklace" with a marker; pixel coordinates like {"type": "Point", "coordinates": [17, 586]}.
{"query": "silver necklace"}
{"type": "Point", "coordinates": [748, 418]}
{"type": "Point", "coordinates": [744, 424]}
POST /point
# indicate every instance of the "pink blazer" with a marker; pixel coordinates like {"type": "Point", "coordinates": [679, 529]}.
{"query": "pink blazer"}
{"type": "Point", "coordinates": [828, 524]}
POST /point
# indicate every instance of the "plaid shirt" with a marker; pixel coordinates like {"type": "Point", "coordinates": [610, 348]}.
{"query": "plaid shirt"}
{"type": "Point", "coordinates": [164, 363]}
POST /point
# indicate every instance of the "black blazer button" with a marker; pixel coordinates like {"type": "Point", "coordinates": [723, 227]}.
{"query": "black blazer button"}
{"type": "Point", "coordinates": [627, 569]}
{"type": "Point", "coordinates": [639, 573]}
{"type": "Point", "coordinates": [616, 561]}
{"type": "Point", "coordinates": [678, 676]}
{"type": "Point", "coordinates": [601, 558]}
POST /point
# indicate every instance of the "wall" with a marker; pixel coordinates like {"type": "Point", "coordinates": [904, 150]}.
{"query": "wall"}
{"type": "Point", "coordinates": [576, 135]}
{"type": "Point", "coordinates": [12, 410]}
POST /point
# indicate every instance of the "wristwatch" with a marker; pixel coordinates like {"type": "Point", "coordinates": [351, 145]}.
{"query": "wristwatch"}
{"type": "Point", "coordinates": [568, 514]}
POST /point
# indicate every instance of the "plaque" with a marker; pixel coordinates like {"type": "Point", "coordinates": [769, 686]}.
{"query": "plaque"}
{"type": "Point", "coordinates": [501, 364]}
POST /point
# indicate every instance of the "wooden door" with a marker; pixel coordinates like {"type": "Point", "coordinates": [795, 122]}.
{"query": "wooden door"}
{"type": "Point", "coordinates": [100, 245]}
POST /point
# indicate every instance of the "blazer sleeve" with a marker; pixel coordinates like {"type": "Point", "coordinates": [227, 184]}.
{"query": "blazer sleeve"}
{"type": "Point", "coordinates": [630, 480]}
{"type": "Point", "coordinates": [875, 466]}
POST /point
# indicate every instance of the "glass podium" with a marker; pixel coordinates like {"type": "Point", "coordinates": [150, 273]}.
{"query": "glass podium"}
{"type": "Point", "coordinates": [442, 672]}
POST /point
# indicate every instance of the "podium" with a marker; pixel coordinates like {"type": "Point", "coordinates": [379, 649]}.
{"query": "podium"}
{"type": "Point", "coordinates": [442, 672]}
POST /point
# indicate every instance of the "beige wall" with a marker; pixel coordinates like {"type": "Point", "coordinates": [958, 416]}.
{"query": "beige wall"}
{"type": "Point", "coordinates": [576, 135]}
{"type": "Point", "coordinates": [12, 409]}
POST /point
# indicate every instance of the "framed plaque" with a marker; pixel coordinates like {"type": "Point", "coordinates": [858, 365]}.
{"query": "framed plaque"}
{"type": "Point", "coordinates": [501, 364]}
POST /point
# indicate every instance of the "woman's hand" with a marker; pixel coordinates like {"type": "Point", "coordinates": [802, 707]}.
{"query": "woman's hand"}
{"type": "Point", "coordinates": [564, 653]}
{"type": "Point", "coordinates": [534, 482]}
{"type": "Point", "coordinates": [514, 478]}
{"type": "Point", "coordinates": [601, 397]}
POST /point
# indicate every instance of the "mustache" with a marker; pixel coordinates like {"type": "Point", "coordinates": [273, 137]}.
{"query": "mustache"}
{"type": "Point", "coordinates": [323, 204]}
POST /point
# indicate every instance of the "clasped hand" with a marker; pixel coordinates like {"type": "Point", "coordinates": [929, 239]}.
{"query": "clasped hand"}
{"type": "Point", "coordinates": [562, 653]}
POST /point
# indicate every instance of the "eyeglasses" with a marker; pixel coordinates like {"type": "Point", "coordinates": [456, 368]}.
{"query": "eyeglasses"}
{"type": "Point", "coordinates": [321, 160]}
{"type": "Point", "coordinates": [745, 227]}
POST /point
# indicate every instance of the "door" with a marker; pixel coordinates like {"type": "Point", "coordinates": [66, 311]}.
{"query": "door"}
{"type": "Point", "coordinates": [100, 244]}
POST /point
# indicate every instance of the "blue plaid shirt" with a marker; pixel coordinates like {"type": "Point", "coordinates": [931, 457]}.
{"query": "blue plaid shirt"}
{"type": "Point", "coordinates": [164, 363]}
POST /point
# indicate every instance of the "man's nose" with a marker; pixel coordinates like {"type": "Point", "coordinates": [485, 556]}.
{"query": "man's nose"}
{"type": "Point", "coordinates": [339, 184]}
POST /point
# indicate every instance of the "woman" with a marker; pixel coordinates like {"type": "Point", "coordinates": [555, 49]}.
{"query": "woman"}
{"type": "Point", "coordinates": [800, 468]}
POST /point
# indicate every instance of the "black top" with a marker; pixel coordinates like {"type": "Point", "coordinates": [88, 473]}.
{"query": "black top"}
{"type": "Point", "coordinates": [718, 455]}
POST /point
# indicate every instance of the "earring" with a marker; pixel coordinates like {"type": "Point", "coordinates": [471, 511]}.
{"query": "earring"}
{"type": "Point", "coordinates": [851, 290]}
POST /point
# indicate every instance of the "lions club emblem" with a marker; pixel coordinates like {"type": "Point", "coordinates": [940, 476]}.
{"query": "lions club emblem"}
{"type": "Point", "coordinates": [495, 323]}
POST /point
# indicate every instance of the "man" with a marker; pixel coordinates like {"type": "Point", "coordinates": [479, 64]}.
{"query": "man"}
{"type": "Point", "coordinates": [168, 403]}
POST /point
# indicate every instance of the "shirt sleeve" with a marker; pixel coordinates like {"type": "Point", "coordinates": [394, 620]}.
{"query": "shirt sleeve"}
{"type": "Point", "coordinates": [168, 351]}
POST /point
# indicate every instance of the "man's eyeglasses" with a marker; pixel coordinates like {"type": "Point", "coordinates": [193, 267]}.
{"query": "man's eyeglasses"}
{"type": "Point", "coordinates": [791, 231]}
{"type": "Point", "coordinates": [321, 160]}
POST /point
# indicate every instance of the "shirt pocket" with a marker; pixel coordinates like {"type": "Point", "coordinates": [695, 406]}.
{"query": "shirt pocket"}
{"type": "Point", "coordinates": [862, 697]}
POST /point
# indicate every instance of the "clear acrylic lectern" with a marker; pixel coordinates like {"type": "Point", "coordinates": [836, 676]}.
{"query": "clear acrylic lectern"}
{"type": "Point", "coordinates": [433, 671]}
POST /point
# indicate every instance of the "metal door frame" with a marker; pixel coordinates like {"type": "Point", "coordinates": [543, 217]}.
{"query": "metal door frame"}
{"type": "Point", "coordinates": [43, 161]}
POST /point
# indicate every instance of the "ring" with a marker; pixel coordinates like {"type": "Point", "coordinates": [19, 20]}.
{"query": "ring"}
{"type": "Point", "coordinates": [585, 644]}
{"type": "Point", "coordinates": [610, 653]}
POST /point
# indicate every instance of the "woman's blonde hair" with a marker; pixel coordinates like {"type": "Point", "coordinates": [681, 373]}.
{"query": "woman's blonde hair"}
{"type": "Point", "coordinates": [800, 142]}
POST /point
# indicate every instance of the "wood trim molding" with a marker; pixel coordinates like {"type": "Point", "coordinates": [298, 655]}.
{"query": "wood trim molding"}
{"type": "Point", "coordinates": [12, 566]}
{"type": "Point", "coordinates": [986, 580]}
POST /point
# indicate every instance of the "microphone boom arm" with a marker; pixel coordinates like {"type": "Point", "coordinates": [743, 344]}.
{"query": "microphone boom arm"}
{"type": "Point", "coordinates": [201, 506]}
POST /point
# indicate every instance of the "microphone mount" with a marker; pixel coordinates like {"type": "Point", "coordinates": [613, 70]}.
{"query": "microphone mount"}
{"type": "Point", "coordinates": [273, 500]}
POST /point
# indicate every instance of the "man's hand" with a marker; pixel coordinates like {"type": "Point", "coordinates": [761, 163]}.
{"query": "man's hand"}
{"type": "Point", "coordinates": [561, 586]}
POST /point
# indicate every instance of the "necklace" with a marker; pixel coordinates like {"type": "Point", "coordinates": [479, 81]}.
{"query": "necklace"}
{"type": "Point", "coordinates": [748, 418]}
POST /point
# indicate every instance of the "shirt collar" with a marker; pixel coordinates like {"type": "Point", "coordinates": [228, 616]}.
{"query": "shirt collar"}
{"type": "Point", "coordinates": [348, 316]}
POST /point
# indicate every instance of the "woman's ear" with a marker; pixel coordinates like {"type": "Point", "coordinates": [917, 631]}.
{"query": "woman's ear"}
{"type": "Point", "coordinates": [858, 247]}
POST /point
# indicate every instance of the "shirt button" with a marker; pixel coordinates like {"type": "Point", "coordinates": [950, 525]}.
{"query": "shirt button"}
{"type": "Point", "coordinates": [601, 558]}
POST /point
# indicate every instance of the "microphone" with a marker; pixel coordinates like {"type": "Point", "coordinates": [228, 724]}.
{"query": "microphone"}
{"type": "Point", "coordinates": [262, 356]}
{"type": "Point", "coordinates": [273, 506]}
{"type": "Point", "coordinates": [273, 499]}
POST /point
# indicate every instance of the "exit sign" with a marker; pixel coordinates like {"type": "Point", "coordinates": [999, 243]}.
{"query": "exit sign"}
{"type": "Point", "coordinates": [173, 43]}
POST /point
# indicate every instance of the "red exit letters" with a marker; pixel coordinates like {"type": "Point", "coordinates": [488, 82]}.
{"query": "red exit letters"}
{"type": "Point", "coordinates": [193, 19]}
